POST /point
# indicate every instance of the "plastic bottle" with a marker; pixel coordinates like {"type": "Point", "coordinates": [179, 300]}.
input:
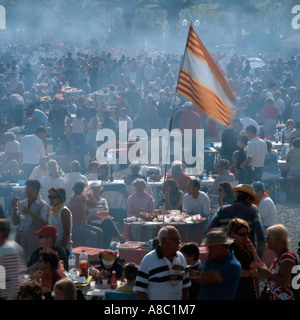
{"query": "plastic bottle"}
{"type": "Point", "coordinates": [277, 136]}
{"type": "Point", "coordinates": [204, 175]}
{"type": "Point", "coordinates": [72, 266]}
{"type": "Point", "coordinates": [83, 263]}
{"type": "Point", "coordinates": [113, 280]}
{"type": "Point", "coordinates": [282, 138]}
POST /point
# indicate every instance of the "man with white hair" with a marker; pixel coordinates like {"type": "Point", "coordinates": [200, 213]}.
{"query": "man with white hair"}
{"type": "Point", "coordinates": [266, 206]}
{"type": "Point", "coordinates": [162, 273]}
{"type": "Point", "coordinates": [74, 174]}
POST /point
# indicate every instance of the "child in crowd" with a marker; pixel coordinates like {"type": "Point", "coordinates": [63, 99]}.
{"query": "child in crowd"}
{"type": "Point", "coordinates": [130, 273]}
{"type": "Point", "coordinates": [190, 251]}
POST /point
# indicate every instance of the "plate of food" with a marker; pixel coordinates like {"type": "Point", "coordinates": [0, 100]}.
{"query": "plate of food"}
{"type": "Point", "coordinates": [130, 245]}
{"type": "Point", "coordinates": [155, 177]}
{"type": "Point", "coordinates": [147, 216]}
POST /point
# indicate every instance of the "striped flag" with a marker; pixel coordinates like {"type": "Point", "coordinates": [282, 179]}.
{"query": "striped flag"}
{"type": "Point", "coordinates": [201, 81]}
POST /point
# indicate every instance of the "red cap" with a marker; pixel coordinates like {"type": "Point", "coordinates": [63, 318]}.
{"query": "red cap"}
{"type": "Point", "coordinates": [47, 231]}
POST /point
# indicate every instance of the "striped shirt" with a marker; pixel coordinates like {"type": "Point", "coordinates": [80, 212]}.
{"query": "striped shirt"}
{"type": "Point", "coordinates": [239, 209]}
{"type": "Point", "coordinates": [160, 279]}
{"type": "Point", "coordinates": [13, 260]}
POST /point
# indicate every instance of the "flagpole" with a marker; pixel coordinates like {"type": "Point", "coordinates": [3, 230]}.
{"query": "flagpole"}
{"type": "Point", "coordinates": [169, 134]}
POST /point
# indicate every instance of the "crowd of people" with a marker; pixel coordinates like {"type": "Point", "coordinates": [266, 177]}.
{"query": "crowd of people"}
{"type": "Point", "coordinates": [54, 100]}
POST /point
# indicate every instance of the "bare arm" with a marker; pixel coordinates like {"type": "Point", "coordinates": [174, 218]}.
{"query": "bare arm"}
{"type": "Point", "coordinates": [283, 278]}
{"type": "Point", "coordinates": [66, 222]}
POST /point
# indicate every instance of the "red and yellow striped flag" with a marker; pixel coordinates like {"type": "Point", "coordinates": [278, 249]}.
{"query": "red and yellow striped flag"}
{"type": "Point", "coordinates": [201, 81]}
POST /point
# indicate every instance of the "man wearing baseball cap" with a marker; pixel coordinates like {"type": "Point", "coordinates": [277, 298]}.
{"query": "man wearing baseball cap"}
{"type": "Point", "coordinates": [47, 236]}
{"type": "Point", "coordinates": [244, 207]}
{"type": "Point", "coordinates": [222, 271]}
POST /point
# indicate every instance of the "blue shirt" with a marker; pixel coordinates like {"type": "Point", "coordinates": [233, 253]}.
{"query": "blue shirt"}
{"type": "Point", "coordinates": [41, 120]}
{"type": "Point", "coordinates": [230, 270]}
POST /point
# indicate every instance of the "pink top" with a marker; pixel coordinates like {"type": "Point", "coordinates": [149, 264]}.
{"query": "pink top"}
{"type": "Point", "coordinates": [78, 208]}
{"type": "Point", "coordinates": [11, 146]}
{"type": "Point", "coordinates": [135, 203]}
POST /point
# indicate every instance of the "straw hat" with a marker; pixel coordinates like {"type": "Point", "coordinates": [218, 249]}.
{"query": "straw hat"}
{"type": "Point", "coordinates": [216, 237]}
{"type": "Point", "coordinates": [247, 188]}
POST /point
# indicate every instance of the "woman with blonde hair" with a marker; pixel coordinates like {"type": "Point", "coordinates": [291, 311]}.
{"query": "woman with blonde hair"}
{"type": "Point", "coordinates": [279, 275]}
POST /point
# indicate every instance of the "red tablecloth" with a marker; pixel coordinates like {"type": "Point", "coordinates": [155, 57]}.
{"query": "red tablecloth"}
{"type": "Point", "coordinates": [136, 255]}
{"type": "Point", "coordinates": [129, 255]}
{"type": "Point", "coordinates": [93, 253]}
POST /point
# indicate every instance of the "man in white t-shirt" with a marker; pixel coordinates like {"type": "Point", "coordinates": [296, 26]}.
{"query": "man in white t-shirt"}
{"type": "Point", "coordinates": [266, 206]}
{"type": "Point", "coordinates": [196, 201]}
{"type": "Point", "coordinates": [256, 155]}
{"type": "Point", "coordinates": [32, 148]}
{"type": "Point", "coordinates": [246, 120]}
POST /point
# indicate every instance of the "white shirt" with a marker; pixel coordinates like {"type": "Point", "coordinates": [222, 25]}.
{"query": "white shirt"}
{"type": "Point", "coordinates": [200, 205]}
{"type": "Point", "coordinates": [47, 182]}
{"type": "Point", "coordinates": [279, 103]}
{"type": "Point", "coordinates": [71, 177]}
{"type": "Point", "coordinates": [32, 148]}
{"type": "Point", "coordinates": [257, 150]}
{"type": "Point", "coordinates": [267, 211]}
{"type": "Point", "coordinates": [57, 222]}
{"type": "Point", "coordinates": [246, 121]}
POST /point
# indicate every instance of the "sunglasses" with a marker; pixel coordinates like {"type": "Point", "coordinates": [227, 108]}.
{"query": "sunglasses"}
{"type": "Point", "coordinates": [243, 234]}
{"type": "Point", "coordinates": [52, 197]}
